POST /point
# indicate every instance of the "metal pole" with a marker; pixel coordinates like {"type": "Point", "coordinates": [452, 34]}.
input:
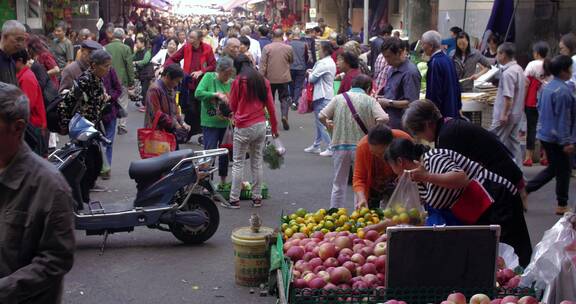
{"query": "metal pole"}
{"type": "Point", "coordinates": [366, 29]}
{"type": "Point", "coordinates": [465, 11]}
{"type": "Point", "coordinates": [511, 20]}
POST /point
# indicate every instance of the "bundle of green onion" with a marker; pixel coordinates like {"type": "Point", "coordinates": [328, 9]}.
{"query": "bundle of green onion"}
{"type": "Point", "coordinates": [272, 157]}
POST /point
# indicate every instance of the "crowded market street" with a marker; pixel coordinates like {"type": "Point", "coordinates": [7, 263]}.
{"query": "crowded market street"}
{"type": "Point", "coordinates": [148, 266]}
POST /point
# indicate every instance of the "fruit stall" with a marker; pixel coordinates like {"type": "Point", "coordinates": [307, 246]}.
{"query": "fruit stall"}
{"type": "Point", "coordinates": [326, 256]}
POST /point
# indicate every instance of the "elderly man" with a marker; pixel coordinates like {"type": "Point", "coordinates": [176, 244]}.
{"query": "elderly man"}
{"type": "Point", "coordinates": [122, 64]}
{"type": "Point", "coordinates": [403, 83]}
{"type": "Point", "coordinates": [254, 49]}
{"type": "Point", "coordinates": [36, 207]}
{"type": "Point", "coordinates": [231, 48]}
{"type": "Point", "coordinates": [13, 40]}
{"type": "Point", "coordinates": [73, 70]}
{"type": "Point", "coordinates": [299, 66]}
{"type": "Point", "coordinates": [442, 86]}
{"type": "Point", "coordinates": [509, 103]}
{"type": "Point", "coordinates": [275, 66]}
{"type": "Point", "coordinates": [198, 59]}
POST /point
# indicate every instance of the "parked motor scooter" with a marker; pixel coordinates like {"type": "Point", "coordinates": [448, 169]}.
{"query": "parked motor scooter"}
{"type": "Point", "coordinates": [174, 191]}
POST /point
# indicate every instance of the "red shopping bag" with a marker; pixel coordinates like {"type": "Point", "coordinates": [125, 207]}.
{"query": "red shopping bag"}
{"type": "Point", "coordinates": [152, 142]}
{"type": "Point", "coordinates": [473, 202]}
{"type": "Point", "coordinates": [305, 104]}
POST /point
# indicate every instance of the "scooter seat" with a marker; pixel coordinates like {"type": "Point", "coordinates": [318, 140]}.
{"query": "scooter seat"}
{"type": "Point", "coordinates": [151, 169]}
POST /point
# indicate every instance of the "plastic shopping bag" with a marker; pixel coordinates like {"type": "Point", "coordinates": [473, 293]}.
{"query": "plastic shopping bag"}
{"type": "Point", "coordinates": [305, 102]}
{"type": "Point", "coordinates": [274, 154]}
{"type": "Point", "coordinates": [553, 265]}
{"type": "Point", "coordinates": [404, 206]}
{"type": "Point", "coordinates": [153, 142]}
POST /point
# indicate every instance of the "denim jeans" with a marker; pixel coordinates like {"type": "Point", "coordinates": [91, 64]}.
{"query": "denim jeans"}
{"type": "Point", "coordinates": [249, 140]}
{"type": "Point", "coordinates": [321, 131]}
{"type": "Point", "coordinates": [297, 84]}
{"type": "Point", "coordinates": [212, 140]}
{"type": "Point", "coordinates": [110, 130]}
{"type": "Point", "coordinates": [343, 160]}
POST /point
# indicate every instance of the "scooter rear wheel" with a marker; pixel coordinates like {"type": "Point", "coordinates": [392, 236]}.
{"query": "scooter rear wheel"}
{"type": "Point", "coordinates": [198, 235]}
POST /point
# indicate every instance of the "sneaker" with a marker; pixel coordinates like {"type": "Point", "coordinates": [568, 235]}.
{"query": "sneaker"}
{"type": "Point", "coordinates": [560, 210]}
{"type": "Point", "coordinates": [285, 124]}
{"type": "Point", "coordinates": [528, 163]}
{"type": "Point", "coordinates": [313, 149]}
{"type": "Point", "coordinates": [257, 203]}
{"type": "Point", "coordinates": [327, 153]}
{"type": "Point", "coordinates": [122, 130]}
{"type": "Point", "coordinates": [230, 204]}
{"type": "Point", "coordinates": [294, 107]}
{"type": "Point", "coordinates": [98, 188]}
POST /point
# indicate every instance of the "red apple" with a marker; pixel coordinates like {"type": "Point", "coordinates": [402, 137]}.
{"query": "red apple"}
{"type": "Point", "coordinates": [300, 283]}
{"type": "Point", "coordinates": [380, 248]}
{"type": "Point", "coordinates": [347, 251]}
{"type": "Point", "coordinates": [510, 299]}
{"type": "Point", "coordinates": [381, 278]}
{"type": "Point", "coordinates": [315, 262]}
{"type": "Point", "coordinates": [298, 235]}
{"type": "Point", "coordinates": [391, 302]}
{"type": "Point", "coordinates": [457, 298]}
{"type": "Point", "coordinates": [372, 235]}
{"type": "Point", "coordinates": [324, 275]}
{"type": "Point", "coordinates": [360, 285]}
{"type": "Point", "coordinates": [308, 256]}
{"type": "Point", "coordinates": [367, 251]}
{"type": "Point", "coordinates": [371, 259]}
{"type": "Point", "coordinates": [500, 263]}
{"type": "Point", "coordinates": [358, 259]}
{"type": "Point", "coordinates": [527, 300]}
{"type": "Point", "coordinates": [343, 258]}
{"type": "Point", "coordinates": [480, 299]}
{"type": "Point", "coordinates": [316, 283]}
{"type": "Point", "coordinates": [369, 268]}
{"type": "Point", "coordinates": [447, 302]}
{"type": "Point", "coordinates": [327, 250]}
{"type": "Point", "coordinates": [513, 282]}
{"type": "Point", "coordinates": [308, 277]}
{"type": "Point", "coordinates": [319, 268]}
{"type": "Point", "coordinates": [310, 247]}
{"type": "Point", "coordinates": [296, 274]}
{"type": "Point", "coordinates": [357, 248]}
{"type": "Point", "coordinates": [381, 263]}
{"type": "Point", "coordinates": [350, 266]}
{"type": "Point", "coordinates": [508, 274]}
{"type": "Point", "coordinates": [317, 235]}
{"type": "Point", "coordinates": [370, 279]}
{"type": "Point", "coordinates": [340, 275]}
{"type": "Point", "coordinates": [331, 262]}
{"type": "Point", "coordinates": [295, 253]}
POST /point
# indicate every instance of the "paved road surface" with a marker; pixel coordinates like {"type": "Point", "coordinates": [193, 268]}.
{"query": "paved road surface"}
{"type": "Point", "coordinates": [149, 266]}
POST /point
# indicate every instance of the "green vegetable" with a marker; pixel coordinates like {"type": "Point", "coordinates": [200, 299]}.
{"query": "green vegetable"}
{"type": "Point", "coordinates": [272, 157]}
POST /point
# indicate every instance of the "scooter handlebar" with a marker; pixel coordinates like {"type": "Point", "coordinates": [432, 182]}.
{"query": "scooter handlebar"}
{"type": "Point", "coordinates": [103, 139]}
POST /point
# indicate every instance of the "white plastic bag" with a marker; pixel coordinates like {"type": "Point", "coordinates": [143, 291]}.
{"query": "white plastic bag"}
{"type": "Point", "coordinates": [506, 252]}
{"type": "Point", "coordinates": [404, 206]}
{"type": "Point", "coordinates": [553, 265]}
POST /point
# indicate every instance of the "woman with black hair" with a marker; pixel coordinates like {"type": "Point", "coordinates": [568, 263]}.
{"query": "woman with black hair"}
{"type": "Point", "coordinates": [144, 68]}
{"type": "Point", "coordinates": [349, 64]}
{"type": "Point", "coordinates": [456, 190]}
{"type": "Point", "coordinates": [557, 130]}
{"type": "Point", "coordinates": [250, 99]}
{"type": "Point", "coordinates": [492, 47]}
{"type": "Point", "coordinates": [536, 77]}
{"type": "Point", "coordinates": [466, 59]}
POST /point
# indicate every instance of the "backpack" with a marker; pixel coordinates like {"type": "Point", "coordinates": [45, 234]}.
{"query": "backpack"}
{"type": "Point", "coordinates": [62, 108]}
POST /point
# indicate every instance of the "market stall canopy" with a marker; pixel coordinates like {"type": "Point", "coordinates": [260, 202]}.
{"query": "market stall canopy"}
{"type": "Point", "coordinates": [234, 3]}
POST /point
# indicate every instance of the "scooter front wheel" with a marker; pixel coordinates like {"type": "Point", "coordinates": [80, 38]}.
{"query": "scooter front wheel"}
{"type": "Point", "coordinates": [199, 234]}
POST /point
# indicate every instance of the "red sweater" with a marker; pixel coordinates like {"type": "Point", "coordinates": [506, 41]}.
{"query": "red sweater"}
{"type": "Point", "coordinates": [249, 111]}
{"type": "Point", "coordinates": [29, 85]}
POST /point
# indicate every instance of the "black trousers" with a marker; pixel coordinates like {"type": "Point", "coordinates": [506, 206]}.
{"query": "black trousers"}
{"type": "Point", "coordinates": [559, 167]}
{"type": "Point", "coordinates": [531, 123]}
{"type": "Point", "coordinates": [284, 96]}
{"type": "Point", "coordinates": [508, 212]}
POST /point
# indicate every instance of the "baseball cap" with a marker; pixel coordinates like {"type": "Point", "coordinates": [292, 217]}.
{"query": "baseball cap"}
{"type": "Point", "coordinates": [91, 45]}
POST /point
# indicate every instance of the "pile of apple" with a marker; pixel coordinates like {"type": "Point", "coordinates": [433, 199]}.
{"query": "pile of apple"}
{"type": "Point", "coordinates": [337, 260]}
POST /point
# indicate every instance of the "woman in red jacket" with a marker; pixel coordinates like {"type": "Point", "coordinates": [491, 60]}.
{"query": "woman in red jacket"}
{"type": "Point", "coordinates": [250, 99]}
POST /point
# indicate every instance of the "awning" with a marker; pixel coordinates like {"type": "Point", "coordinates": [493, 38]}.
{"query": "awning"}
{"type": "Point", "coordinates": [234, 3]}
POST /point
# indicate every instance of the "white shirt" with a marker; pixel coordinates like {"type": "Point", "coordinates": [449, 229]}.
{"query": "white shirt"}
{"type": "Point", "coordinates": [322, 77]}
{"type": "Point", "coordinates": [255, 50]}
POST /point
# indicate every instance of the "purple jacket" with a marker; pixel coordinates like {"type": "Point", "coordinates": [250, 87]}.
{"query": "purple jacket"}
{"type": "Point", "coordinates": [114, 89]}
